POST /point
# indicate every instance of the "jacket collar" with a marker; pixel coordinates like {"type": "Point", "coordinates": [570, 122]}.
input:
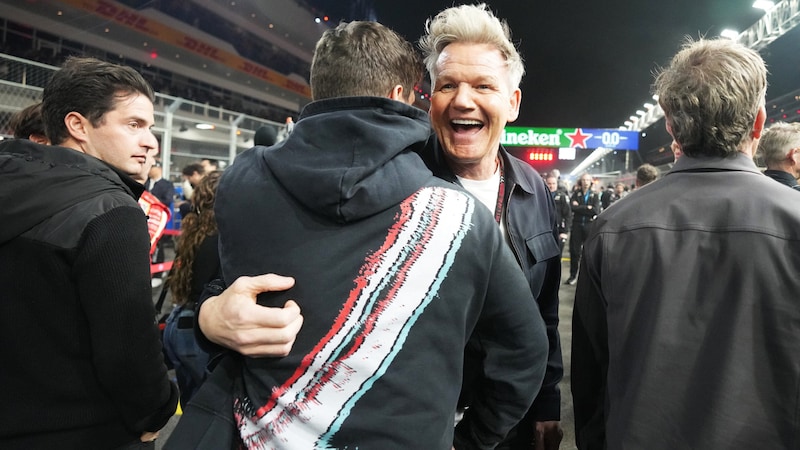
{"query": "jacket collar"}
{"type": "Point", "coordinates": [739, 162]}
{"type": "Point", "coordinates": [514, 174]}
{"type": "Point", "coordinates": [433, 155]}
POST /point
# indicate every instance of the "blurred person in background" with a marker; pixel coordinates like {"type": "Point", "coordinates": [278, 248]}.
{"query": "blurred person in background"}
{"type": "Point", "coordinates": [585, 203]}
{"type": "Point", "coordinates": [28, 124]}
{"type": "Point", "coordinates": [196, 263]}
{"type": "Point", "coordinates": [780, 149]}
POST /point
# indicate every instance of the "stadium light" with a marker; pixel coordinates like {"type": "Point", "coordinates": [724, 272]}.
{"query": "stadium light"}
{"type": "Point", "coordinates": [766, 5]}
{"type": "Point", "coordinates": [730, 34]}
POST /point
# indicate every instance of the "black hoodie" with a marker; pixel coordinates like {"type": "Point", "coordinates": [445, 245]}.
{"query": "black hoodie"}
{"type": "Point", "coordinates": [394, 270]}
{"type": "Point", "coordinates": [81, 355]}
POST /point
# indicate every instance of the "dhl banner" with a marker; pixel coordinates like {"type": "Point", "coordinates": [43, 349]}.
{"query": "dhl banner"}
{"type": "Point", "coordinates": [130, 18]}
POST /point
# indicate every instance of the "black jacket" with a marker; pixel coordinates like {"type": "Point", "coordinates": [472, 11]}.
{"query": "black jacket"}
{"type": "Point", "coordinates": [783, 178]}
{"type": "Point", "coordinates": [394, 270]}
{"type": "Point", "coordinates": [530, 219]}
{"type": "Point", "coordinates": [582, 214]}
{"type": "Point", "coordinates": [164, 191]}
{"type": "Point", "coordinates": [563, 211]}
{"type": "Point", "coordinates": [82, 359]}
{"type": "Point", "coordinates": [685, 328]}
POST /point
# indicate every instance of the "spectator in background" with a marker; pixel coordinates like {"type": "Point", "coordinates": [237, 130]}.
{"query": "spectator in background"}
{"type": "Point", "coordinates": [196, 263]}
{"type": "Point", "coordinates": [158, 214]}
{"type": "Point", "coordinates": [209, 165]}
{"type": "Point", "coordinates": [619, 191]}
{"type": "Point", "coordinates": [562, 185]}
{"type": "Point", "coordinates": [192, 175]}
{"type": "Point", "coordinates": [563, 209]}
{"type": "Point", "coordinates": [287, 129]}
{"type": "Point", "coordinates": [88, 371]}
{"type": "Point", "coordinates": [28, 124]}
{"type": "Point", "coordinates": [685, 327]}
{"type": "Point", "coordinates": [162, 188]}
{"type": "Point", "coordinates": [585, 205]}
{"type": "Point", "coordinates": [780, 148]}
{"type": "Point", "coordinates": [164, 191]}
{"type": "Point", "coordinates": [606, 197]}
{"type": "Point", "coordinates": [646, 174]}
{"type": "Point", "coordinates": [265, 135]}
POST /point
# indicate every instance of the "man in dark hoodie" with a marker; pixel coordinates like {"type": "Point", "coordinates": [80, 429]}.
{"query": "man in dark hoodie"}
{"type": "Point", "coordinates": [395, 270]}
{"type": "Point", "coordinates": [82, 356]}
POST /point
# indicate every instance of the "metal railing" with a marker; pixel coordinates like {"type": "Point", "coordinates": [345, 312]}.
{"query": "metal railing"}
{"type": "Point", "coordinates": [227, 132]}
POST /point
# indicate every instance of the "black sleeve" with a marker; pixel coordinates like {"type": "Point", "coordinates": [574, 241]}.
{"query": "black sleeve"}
{"type": "Point", "coordinates": [113, 279]}
{"type": "Point", "coordinates": [547, 405]}
{"type": "Point", "coordinates": [206, 266]}
{"type": "Point", "coordinates": [511, 336]}
{"type": "Point", "coordinates": [212, 289]}
{"type": "Point", "coordinates": [589, 352]}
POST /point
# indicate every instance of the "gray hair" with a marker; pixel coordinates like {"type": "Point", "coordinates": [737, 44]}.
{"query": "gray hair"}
{"type": "Point", "coordinates": [776, 142]}
{"type": "Point", "coordinates": [474, 24]}
{"type": "Point", "coordinates": [711, 93]}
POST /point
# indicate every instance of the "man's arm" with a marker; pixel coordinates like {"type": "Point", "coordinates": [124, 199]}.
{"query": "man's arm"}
{"type": "Point", "coordinates": [113, 282]}
{"type": "Point", "coordinates": [589, 352]}
{"type": "Point", "coordinates": [511, 336]}
{"type": "Point", "coordinates": [546, 409]}
{"type": "Point", "coordinates": [234, 320]}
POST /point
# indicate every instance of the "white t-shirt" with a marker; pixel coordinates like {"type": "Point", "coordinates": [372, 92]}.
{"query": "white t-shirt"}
{"type": "Point", "coordinates": [486, 192]}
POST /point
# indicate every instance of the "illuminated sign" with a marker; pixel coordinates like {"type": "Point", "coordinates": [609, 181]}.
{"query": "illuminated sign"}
{"type": "Point", "coordinates": [587, 138]}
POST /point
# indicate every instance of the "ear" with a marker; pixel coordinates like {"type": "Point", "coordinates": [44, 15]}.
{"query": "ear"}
{"type": "Point", "coordinates": [76, 126]}
{"type": "Point", "coordinates": [399, 94]}
{"type": "Point", "coordinates": [514, 102]}
{"type": "Point", "coordinates": [758, 126]}
{"type": "Point", "coordinates": [793, 156]}
{"type": "Point", "coordinates": [39, 139]}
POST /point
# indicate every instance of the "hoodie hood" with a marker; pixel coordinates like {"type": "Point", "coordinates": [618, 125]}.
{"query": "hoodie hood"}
{"type": "Point", "coordinates": [37, 181]}
{"type": "Point", "coordinates": [349, 158]}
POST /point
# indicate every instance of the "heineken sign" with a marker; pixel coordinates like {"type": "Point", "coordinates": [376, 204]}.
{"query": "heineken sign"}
{"type": "Point", "coordinates": [571, 137]}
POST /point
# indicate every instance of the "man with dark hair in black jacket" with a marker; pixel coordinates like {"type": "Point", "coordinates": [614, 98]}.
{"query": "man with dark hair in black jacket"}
{"type": "Point", "coordinates": [82, 355]}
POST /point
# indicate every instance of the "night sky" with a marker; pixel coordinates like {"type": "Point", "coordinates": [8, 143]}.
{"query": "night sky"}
{"type": "Point", "coordinates": [589, 63]}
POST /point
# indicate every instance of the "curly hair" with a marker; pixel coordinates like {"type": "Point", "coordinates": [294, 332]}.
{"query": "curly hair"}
{"type": "Point", "coordinates": [199, 224]}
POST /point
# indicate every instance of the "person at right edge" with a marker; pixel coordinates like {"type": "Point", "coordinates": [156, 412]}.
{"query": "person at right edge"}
{"type": "Point", "coordinates": [475, 71]}
{"type": "Point", "coordinates": [686, 325]}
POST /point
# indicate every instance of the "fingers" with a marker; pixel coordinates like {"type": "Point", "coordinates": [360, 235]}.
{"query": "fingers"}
{"type": "Point", "coordinates": [256, 316]}
{"type": "Point", "coordinates": [262, 283]}
{"type": "Point", "coordinates": [276, 332]}
{"type": "Point", "coordinates": [234, 319]}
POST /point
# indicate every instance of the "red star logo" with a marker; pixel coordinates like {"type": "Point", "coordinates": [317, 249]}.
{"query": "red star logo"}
{"type": "Point", "coordinates": [578, 139]}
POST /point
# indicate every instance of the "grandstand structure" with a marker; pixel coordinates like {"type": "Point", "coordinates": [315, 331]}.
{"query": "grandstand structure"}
{"type": "Point", "coordinates": [221, 68]}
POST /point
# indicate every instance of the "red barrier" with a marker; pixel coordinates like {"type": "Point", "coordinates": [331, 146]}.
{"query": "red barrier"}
{"type": "Point", "coordinates": [161, 267]}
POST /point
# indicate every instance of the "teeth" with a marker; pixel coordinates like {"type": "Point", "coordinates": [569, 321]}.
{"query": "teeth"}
{"type": "Point", "coordinates": [467, 122]}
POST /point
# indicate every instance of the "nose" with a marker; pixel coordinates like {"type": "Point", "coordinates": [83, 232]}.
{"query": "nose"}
{"type": "Point", "coordinates": [463, 97]}
{"type": "Point", "coordinates": [150, 142]}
